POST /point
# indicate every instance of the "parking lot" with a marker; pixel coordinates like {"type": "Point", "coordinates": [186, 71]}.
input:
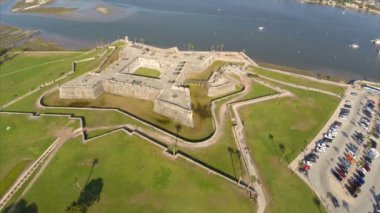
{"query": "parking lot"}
{"type": "Point", "coordinates": [342, 164]}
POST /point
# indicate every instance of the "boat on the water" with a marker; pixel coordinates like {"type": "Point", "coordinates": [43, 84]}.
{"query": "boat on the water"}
{"type": "Point", "coordinates": [354, 46]}
{"type": "Point", "coordinates": [375, 41]}
{"type": "Point", "coordinates": [261, 28]}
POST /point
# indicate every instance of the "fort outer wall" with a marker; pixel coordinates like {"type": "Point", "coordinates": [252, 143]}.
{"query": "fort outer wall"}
{"type": "Point", "coordinates": [175, 112]}
{"type": "Point", "coordinates": [83, 92]}
{"type": "Point", "coordinates": [130, 90]}
{"type": "Point", "coordinates": [217, 90]}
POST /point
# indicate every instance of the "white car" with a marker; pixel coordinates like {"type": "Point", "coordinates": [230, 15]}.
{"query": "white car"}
{"type": "Point", "coordinates": [308, 163]}
{"type": "Point", "coordinates": [348, 102]}
{"type": "Point", "coordinates": [320, 149]}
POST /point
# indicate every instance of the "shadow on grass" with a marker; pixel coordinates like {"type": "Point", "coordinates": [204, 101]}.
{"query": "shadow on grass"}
{"type": "Point", "coordinates": [21, 206]}
{"type": "Point", "coordinates": [88, 196]}
{"type": "Point", "coordinates": [317, 202]}
{"type": "Point", "coordinates": [90, 193]}
{"type": "Point", "coordinates": [231, 151]}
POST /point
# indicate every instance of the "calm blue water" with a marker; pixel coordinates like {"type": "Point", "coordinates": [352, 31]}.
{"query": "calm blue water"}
{"type": "Point", "coordinates": [299, 35]}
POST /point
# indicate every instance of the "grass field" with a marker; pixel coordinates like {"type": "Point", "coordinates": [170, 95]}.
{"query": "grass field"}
{"type": "Point", "coordinates": [299, 81]}
{"type": "Point", "coordinates": [30, 70]}
{"type": "Point", "coordinates": [147, 72]}
{"type": "Point", "coordinates": [132, 174]}
{"type": "Point", "coordinates": [258, 90]}
{"type": "Point", "coordinates": [20, 144]}
{"type": "Point", "coordinates": [285, 126]}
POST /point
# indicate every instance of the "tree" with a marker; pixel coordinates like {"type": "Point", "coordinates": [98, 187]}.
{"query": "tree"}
{"type": "Point", "coordinates": [238, 154]}
{"type": "Point", "coordinates": [94, 162]}
{"type": "Point", "coordinates": [178, 128]}
{"type": "Point", "coordinates": [283, 150]}
{"type": "Point", "coordinates": [317, 202]}
{"type": "Point", "coordinates": [231, 151]}
{"type": "Point", "coordinates": [142, 40]}
{"type": "Point", "coordinates": [189, 46]}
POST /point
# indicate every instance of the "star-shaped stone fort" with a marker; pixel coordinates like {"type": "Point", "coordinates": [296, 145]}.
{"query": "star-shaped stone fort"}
{"type": "Point", "coordinates": [171, 98]}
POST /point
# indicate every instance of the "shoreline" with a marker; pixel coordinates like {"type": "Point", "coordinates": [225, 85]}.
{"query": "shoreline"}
{"type": "Point", "coordinates": [304, 72]}
{"type": "Point", "coordinates": [354, 7]}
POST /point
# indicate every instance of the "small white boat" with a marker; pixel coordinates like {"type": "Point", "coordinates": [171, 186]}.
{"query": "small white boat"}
{"type": "Point", "coordinates": [261, 28]}
{"type": "Point", "coordinates": [354, 46]}
{"type": "Point", "coordinates": [375, 41]}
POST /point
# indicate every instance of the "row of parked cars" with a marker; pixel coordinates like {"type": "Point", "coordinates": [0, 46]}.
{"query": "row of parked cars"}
{"type": "Point", "coordinates": [345, 110]}
{"type": "Point", "coordinates": [376, 128]}
{"type": "Point", "coordinates": [354, 164]}
{"type": "Point", "coordinates": [320, 147]}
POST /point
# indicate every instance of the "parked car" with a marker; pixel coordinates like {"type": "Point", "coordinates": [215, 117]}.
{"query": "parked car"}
{"type": "Point", "coordinates": [347, 106]}
{"type": "Point", "coordinates": [360, 173]}
{"type": "Point", "coordinates": [336, 175]}
{"type": "Point", "coordinates": [335, 201]}
{"type": "Point", "coordinates": [341, 173]}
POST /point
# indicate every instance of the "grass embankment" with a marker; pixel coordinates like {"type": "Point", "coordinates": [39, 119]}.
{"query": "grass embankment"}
{"type": "Point", "coordinates": [22, 6]}
{"type": "Point", "coordinates": [23, 139]}
{"type": "Point", "coordinates": [147, 72]}
{"type": "Point", "coordinates": [49, 10]}
{"type": "Point", "coordinates": [31, 69]}
{"type": "Point", "coordinates": [258, 90]}
{"type": "Point", "coordinates": [205, 74]}
{"type": "Point", "coordinates": [301, 71]}
{"type": "Point", "coordinates": [112, 58]}
{"type": "Point", "coordinates": [281, 126]}
{"type": "Point", "coordinates": [10, 35]}
{"type": "Point", "coordinates": [132, 174]}
{"type": "Point", "coordinates": [299, 80]}
{"type": "Point", "coordinates": [26, 40]}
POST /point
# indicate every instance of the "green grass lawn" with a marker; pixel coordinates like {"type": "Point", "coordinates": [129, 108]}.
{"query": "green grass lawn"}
{"type": "Point", "coordinates": [258, 90]}
{"type": "Point", "coordinates": [26, 138]}
{"type": "Point", "coordinates": [132, 174]}
{"type": "Point", "coordinates": [29, 70]}
{"type": "Point", "coordinates": [147, 72]}
{"type": "Point", "coordinates": [298, 81]}
{"type": "Point", "coordinates": [291, 122]}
